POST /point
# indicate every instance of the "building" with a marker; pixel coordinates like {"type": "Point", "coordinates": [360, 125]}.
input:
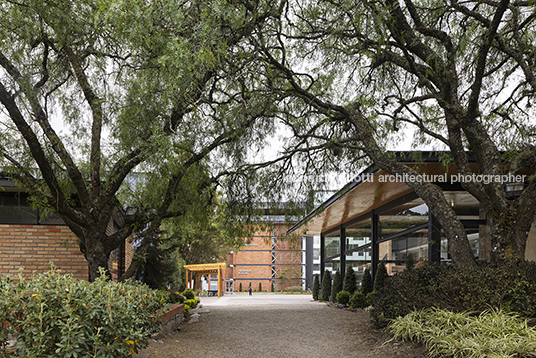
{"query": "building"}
{"type": "Point", "coordinates": [31, 241]}
{"type": "Point", "coordinates": [378, 217]}
{"type": "Point", "coordinates": [270, 257]}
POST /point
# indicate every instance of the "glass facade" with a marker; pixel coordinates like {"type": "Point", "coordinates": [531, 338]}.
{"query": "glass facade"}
{"type": "Point", "coordinates": [402, 229]}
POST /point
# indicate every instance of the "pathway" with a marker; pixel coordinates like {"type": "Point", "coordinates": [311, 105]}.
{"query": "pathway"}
{"type": "Point", "coordinates": [278, 326]}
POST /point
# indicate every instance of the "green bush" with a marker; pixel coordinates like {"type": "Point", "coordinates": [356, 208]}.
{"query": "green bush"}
{"type": "Point", "coordinates": [366, 282]}
{"type": "Point", "coordinates": [189, 294]}
{"type": "Point", "coordinates": [343, 297]}
{"type": "Point", "coordinates": [53, 315]}
{"type": "Point", "coordinates": [493, 333]}
{"type": "Point", "coordinates": [358, 300]}
{"type": "Point", "coordinates": [293, 289]}
{"type": "Point", "coordinates": [380, 277]}
{"type": "Point", "coordinates": [260, 287]}
{"type": "Point", "coordinates": [316, 287]}
{"type": "Point", "coordinates": [192, 303]}
{"type": "Point", "coordinates": [336, 286]}
{"type": "Point", "coordinates": [410, 262]}
{"type": "Point", "coordinates": [240, 287]}
{"type": "Point", "coordinates": [325, 289]}
{"type": "Point", "coordinates": [175, 297]}
{"type": "Point", "coordinates": [350, 281]}
{"type": "Point", "coordinates": [509, 286]}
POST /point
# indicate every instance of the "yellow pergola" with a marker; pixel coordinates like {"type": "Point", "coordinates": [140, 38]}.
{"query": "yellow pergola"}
{"type": "Point", "coordinates": [205, 269]}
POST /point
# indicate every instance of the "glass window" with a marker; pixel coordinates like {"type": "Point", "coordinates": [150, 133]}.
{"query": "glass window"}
{"type": "Point", "coordinates": [332, 266]}
{"type": "Point", "coordinates": [402, 218]}
{"type": "Point", "coordinates": [358, 235]}
{"type": "Point", "coordinates": [332, 244]}
{"type": "Point", "coordinates": [397, 249]}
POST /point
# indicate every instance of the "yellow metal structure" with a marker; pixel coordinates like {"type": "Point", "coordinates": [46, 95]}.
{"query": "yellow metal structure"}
{"type": "Point", "coordinates": [205, 269]}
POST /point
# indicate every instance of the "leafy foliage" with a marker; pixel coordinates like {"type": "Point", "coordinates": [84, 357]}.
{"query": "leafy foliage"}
{"type": "Point", "coordinates": [316, 287]}
{"type": "Point", "coordinates": [493, 333]}
{"type": "Point", "coordinates": [325, 288]}
{"type": "Point", "coordinates": [350, 281]}
{"type": "Point", "coordinates": [336, 286]}
{"type": "Point", "coordinates": [511, 287]}
{"type": "Point", "coordinates": [366, 282]}
{"type": "Point", "coordinates": [342, 297]}
{"type": "Point", "coordinates": [381, 276]}
{"type": "Point", "coordinates": [53, 315]}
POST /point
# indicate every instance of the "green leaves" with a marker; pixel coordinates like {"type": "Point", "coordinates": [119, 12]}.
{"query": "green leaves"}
{"type": "Point", "coordinates": [53, 315]}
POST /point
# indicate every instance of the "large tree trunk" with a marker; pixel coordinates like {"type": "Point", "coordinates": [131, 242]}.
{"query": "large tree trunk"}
{"type": "Point", "coordinates": [97, 257]}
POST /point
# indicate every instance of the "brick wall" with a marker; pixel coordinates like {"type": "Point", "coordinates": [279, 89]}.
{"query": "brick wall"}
{"type": "Point", "coordinates": [32, 247]}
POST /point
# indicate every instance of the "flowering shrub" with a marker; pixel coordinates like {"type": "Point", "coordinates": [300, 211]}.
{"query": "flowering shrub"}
{"type": "Point", "coordinates": [53, 315]}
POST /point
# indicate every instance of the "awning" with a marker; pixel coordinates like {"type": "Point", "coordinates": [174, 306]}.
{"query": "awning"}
{"type": "Point", "coordinates": [205, 269]}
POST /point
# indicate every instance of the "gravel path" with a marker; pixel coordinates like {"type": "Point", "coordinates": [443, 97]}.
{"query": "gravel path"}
{"type": "Point", "coordinates": [279, 327]}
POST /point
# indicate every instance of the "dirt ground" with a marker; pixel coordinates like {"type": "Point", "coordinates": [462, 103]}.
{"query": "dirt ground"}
{"type": "Point", "coordinates": [281, 331]}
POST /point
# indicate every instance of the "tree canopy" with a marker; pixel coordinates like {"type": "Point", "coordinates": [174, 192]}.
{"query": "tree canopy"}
{"type": "Point", "coordinates": [141, 86]}
{"type": "Point", "coordinates": [355, 77]}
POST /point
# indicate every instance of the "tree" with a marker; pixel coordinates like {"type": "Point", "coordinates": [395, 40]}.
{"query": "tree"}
{"type": "Point", "coordinates": [141, 86]}
{"type": "Point", "coordinates": [366, 282]}
{"type": "Point", "coordinates": [459, 75]}
{"type": "Point", "coordinates": [325, 287]}
{"type": "Point", "coordinates": [336, 287]}
{"type": "Point", "coordinates": [350, 281]}
{"type": "Point", "coordinates": [316, 287]}
{"type": "Point", "coordinates": [381, 276]}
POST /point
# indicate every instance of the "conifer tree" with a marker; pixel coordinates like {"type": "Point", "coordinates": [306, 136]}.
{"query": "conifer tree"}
{"type": "Point", "coordinates": [366, 282]}
{"type": "Point", "coordinates": [336, 287]}
{"type": "Point", "coordinates": [350, 281]}
{"type": "Point", "coordinates": [316, 287]}
{"type": "Point", "coordinates": [325, 291]}
{"type": "Point", "coordinates": [381, 276]}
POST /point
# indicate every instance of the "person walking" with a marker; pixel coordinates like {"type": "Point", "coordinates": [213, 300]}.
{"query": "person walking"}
{"type": "Point", "coordinates": [250, 290]}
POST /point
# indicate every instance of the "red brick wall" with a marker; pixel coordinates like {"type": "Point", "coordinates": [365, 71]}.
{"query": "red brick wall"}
{"type": "Point", "coordinates": [32, 247]}
{"type": "Point", "coordinates": [244, 272]}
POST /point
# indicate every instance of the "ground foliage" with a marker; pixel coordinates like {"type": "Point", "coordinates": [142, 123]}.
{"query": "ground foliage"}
{"type": "Point", "coordinates": [511, 287]}
{"type": "Point", "coordinates": [325, 287]}
{"type": "Point", "coordinates": [336, 286]}
{"type": "Point", "coordinates": [492, 333]}
{"type": "Point", "coordinates": [53, 315]}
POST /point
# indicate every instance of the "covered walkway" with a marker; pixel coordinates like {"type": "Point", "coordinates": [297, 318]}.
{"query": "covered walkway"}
{"type": "Point", "coordinates": [195, 272]}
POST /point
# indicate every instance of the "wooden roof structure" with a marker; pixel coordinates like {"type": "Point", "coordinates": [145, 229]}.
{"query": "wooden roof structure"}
{"type": "Point", "coordinates": [194, 272]}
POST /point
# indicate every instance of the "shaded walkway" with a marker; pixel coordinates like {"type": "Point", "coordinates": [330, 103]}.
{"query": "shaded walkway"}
{"type": "Point", "coordinates": [278, 326]}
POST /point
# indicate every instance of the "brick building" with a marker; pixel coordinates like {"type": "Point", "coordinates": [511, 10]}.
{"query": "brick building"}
{"type": "Point", "coordinates": [269, 257]}
{"type": "Point", "coordinates": [32, 242]}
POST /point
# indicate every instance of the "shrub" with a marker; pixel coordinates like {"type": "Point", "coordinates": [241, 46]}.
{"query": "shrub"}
{"type": "Point", "coordinates": [350, 282]}
{"type": "Point", "coordinates": [366, 282]}
{"type": "Point", "coordinates": [358, 300]}
{"type": "Point", "coordinates": [53, 315]}
{"type": "Point", "coordinates": [316, 287]}
{"type": "Point", "coordinates": [240, 287]}
{"type": "Point", "coordinates": [260, 287]}
{"type": "Point", "coordinates": [175, 297]}
{"type": "Point", "coordinates": [509, 286]}
{"type": "Point", "coordinates": [336, 286]}
{"type": "Point", "coordinates": [493, 333]}
{"type": "Point", "coordinates": [381, 276]}
{"type": "Point", "coordinates": [293, 289]}
{"type": "Point", "coordinates": [410, 262]}
{"type": "Point", "coordinates": [273, 286]}
{"type": "Point", "coordinates": [189, 294]}
{"type": "Point", "coordinates": [325, 291]}
{"type": "Point", "coordinates": [343, 297]}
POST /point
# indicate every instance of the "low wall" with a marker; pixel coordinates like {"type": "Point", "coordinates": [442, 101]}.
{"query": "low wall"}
{"type": "Point", "coordinates": [172, 320]}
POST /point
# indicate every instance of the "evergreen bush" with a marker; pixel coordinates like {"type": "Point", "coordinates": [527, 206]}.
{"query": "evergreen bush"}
{"type": "Point", "coordinates": [381, 276]}
{"type": "Point", "coordinates": [358, 300]}
{"type": "Point", "coordinates": [343, 297]}
{"type": "Point", "coordinates": [366, 282]}
{"type": "Point", "coordinates": [240, 287]}
{"type": "Point", "coordinates": [189, 294]}
{"type": "Point", "coordinates": [510, 286]}
{"type": "Point", "coordinates": [54, 315]}
{"type": "Point", "coordinates": [410, 262]}
{"type": "Point", "coordinates": [260, 287]}
{"type": "Point", "coordinates": [350, 281]}
{"type": "Point", "coordinates": [336, 286]}
{"type": "Point", "coordinates": [316, 287]}
{"type": "Point", "coordinates": [325, 290]}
